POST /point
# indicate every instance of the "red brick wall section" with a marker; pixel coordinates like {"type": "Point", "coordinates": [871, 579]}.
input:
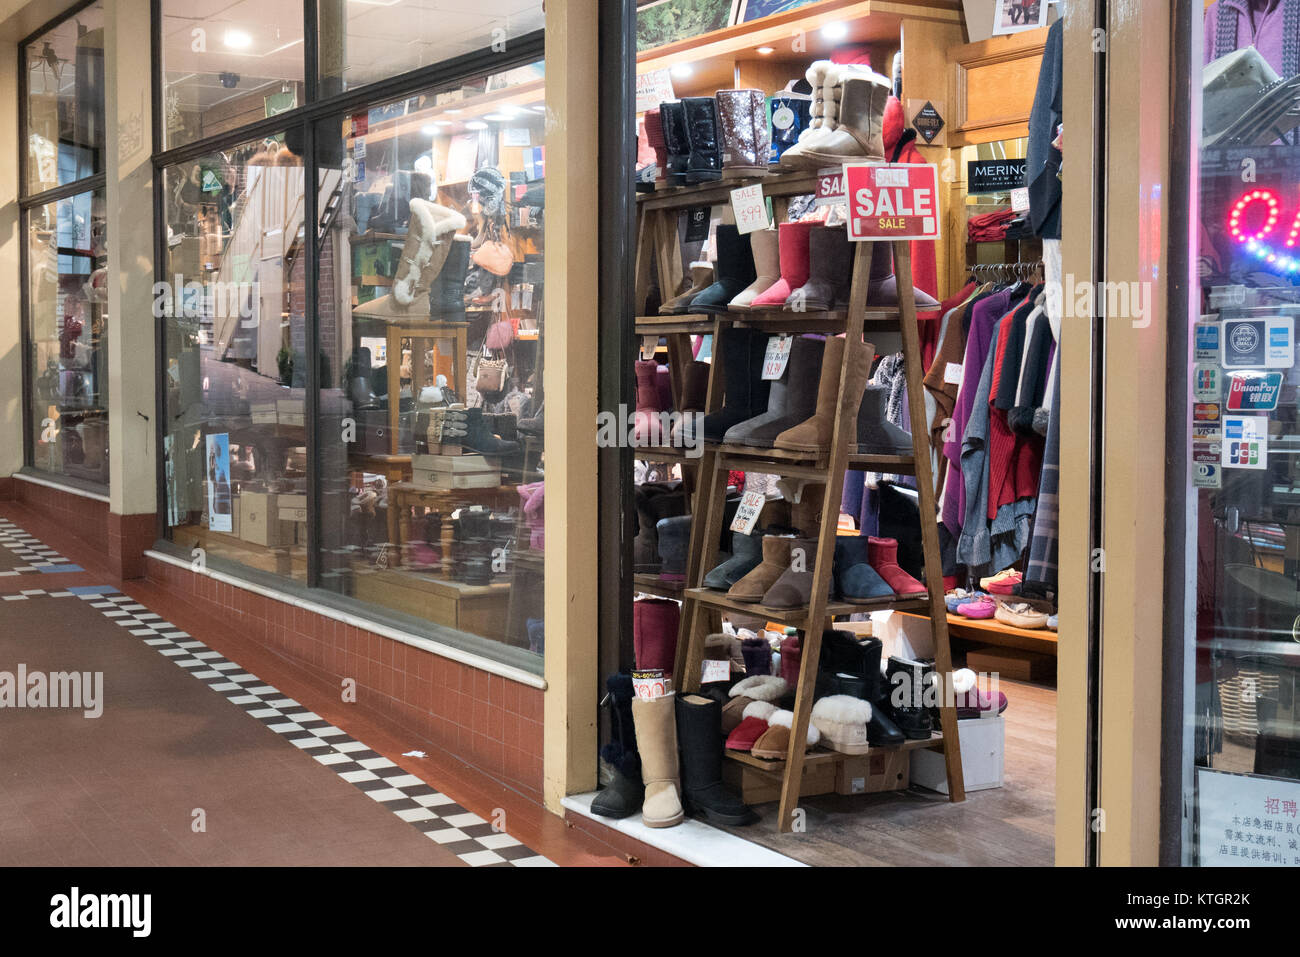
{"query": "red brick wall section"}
{"type": "Point", "coordinates": [85, 518]}
{"type": "Point", "coordinates": [6, 488]}
{"type": "Point", "coordinates": [487, 721]}
{"type": "Point", "coordinates": [129, 537]}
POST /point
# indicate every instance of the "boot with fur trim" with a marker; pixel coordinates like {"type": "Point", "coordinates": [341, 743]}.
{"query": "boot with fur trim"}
{"type": "Point", "coordinates": [622, 798]}
{"type": "Point", "coordinates": [775, 741]}
{"type": "Point", "coordinates": [764, 688]}
{"type": "Point", "coordinates": [842, 721]}
{"type": "Point", "coordinates": [703, 793]}
{"type": "Point", "coordinates": [752, 725]}
{"type": "Point", "coordinates": [858, 134]}
{"type": "Point", "coordinates": [656, 737]}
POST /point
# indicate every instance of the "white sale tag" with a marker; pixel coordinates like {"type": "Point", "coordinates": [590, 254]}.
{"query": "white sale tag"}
{"type": "Point", "coordinates": [751, 503]}
{"type": "Point", "coordinates": [830, 190]}
{"type": "Point", "coordinates": [648, 685]}
{"type": "Point", "coordinates": [1020, 199]}
{"type": "Point", "coordinates": [715, 670]}
{"type": "Point", "coordinates": [777, 356]}
{"type": "Point", "coordinates": [649, 345]}
{"type": "Point", "coordinates": [952, 373]}
{"type": "Point", "coordinates": [891, 176]}
{"type": "Point", "coordinates": [749, 208]}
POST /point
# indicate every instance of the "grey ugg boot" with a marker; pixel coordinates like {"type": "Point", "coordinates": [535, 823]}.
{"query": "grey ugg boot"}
{"type": "Point", "coordinates": [876, 434]}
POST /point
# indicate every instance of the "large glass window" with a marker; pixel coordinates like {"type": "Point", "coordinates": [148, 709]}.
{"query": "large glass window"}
{"type": "Point", "coordinates": [66, 276]}
{"type": "Point", "coordinates": [1241, 732]}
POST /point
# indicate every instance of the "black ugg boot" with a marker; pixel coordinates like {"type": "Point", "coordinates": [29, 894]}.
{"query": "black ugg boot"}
{"type": "Point", "coordinates": [622, 798]}
{"type": "Point", "coordinates": [850, 665]}
{"type": "Point", "coordinates": [480, 438]}
{"type": "Point", "coordinates": [699, 738]}
{"type": "Point", "coordinates": [704, 161]}
{"type": "Point", "coordinates": [907, 681]}
{"type": "Point", "coordinates": [745, 391]}
{"type": "Point", "coordinates": [447, 291]}
{"type": "Point", "coordinates": [673, 115]}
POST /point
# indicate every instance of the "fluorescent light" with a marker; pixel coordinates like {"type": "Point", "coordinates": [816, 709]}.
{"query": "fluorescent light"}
{"type": "Point", "coordinates": [835, 30]}
{"type": "Point", "coordinates": [682, 70]}
{"type": "Point", "coordinates": [764, 51]}
{"type": "Point", "coordinates": [476, 125]}
{"type": "Point", "coordinates": [237, 40]}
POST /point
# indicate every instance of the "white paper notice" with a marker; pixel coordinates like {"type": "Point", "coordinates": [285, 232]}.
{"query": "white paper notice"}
{"type": "Point", "coordinates": [777, 356]}
{"type": "Point", "coordinates": [750, 208]}
{"type": "Point", "coordinates": [715, 670]}
{"type": "Point", "coordinates": [891, 176]}
{"type": "Point", "coordinates": [751, 503]}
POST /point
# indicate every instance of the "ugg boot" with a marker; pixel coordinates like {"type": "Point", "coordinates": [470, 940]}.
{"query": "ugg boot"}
{"type": "Point", "coordinates": [793, 589]}
{"type": "Point", "coordinates": [776, 559]}
{"type": "Point", "coordinates": [802, 374]}
{"type": "Point", "coordinates": [883, 556]}
{"type": "Point", "coordinates": [647, 425]}
{"type": "Point", "coordinates": [746, 555]}
{"type": "Point", "coordinates": [622, 798]}
{"type": "Point", "coordinates": [653, 502]}
{"type": "Point", "coordinates": [704, 160]}
{"type": "Point", "coordinates": [655, 623]}
{"type": "Point", "coordinates": [654, 134]}
{"type": "Point", "coordinates": [699, 737]}
{"type": "Point", "coordinates": [882, 284]}
{"type": "Point", "coordinates": [745, 391]}
{"type": "Point", "coordinates": [695, 396]}
{"type": "Point", "coordinates": [735, 271]}
{"type": "Point", "coordinates": [825, 107]}
{"type": "Point", "coordinates": [845, 657]}
{"type": "Point", "coordinates": [742, 123]}
{"type": "Point", "coordinates": [876, 434]}
{"type": "Point", "coordinates": [778, 405]}
{"type": "Point", "coordinates": [806, 513]}
{"type": "Point", "coordinates": [757, 652]}
{"type": "Point", "coordinates": [701, 279]}
{"type": "Point", "coordinates": [674, 536]}
{"type": "Point", "coordinates": [767, 265]}
{"type": "Point", "coordinates": [789, 115]}
{"type": "Point", "coordinates": [447, 291]}
{"type": "Point", "coordinates": [814, 435]}
{"type": "Point", "coordinates": [672, 116]}
{"type": "Point", "coordinates": [858, 132]}
{"type": "Point", "coordinates": [906, 688]}
{"type": "Point", "coordinates": [793, 246]}
{"type": "Point", "coordinates": [856, 581]}
{"type": "Point", "coordinates": [791, 659]}
{"type": "Point", "coordinates": [481, 440]}
{"type": "Point", "coordinates": [830, 273]}
{"type": "Point", "coordinates": [656, 738]}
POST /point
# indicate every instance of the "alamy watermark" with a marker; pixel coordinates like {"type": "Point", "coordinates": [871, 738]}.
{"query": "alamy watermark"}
{"type": "Point", "coordinates": [82, 690]}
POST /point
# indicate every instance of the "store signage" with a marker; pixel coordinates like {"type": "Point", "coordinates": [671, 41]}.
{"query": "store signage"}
{"type": "Point", "coordinates": [777, 356]}
{"type": "Point", "coordinates": [1246, 820]}
{"type": "Point", "coordinates": [697, 224]}
{"type": "Point", "coordinates": [715, 670]}
{"type": "Point", "coordinates": [830, 190]}
{"type": "Point", "coordinates": [1266, 342]}
{"type": "Point", "coordinates": [1207, 475]}
{"type": "Point", "coordinates": [1251, 221]}
{"type": "Point", "coordinates": [649, 346]}
{"type": "Point", "coordinates": [751, 503]}
{"type": "Point", "coordinates": [1245, 442]}
{"type": "Point", "coordinates": [995, 176]}
{"type": "Point", "coordinates": [1020, 199]}
{"type": "Point", "coordinates": [927, 122]}
{"type": "Point", "coordinates": [648, 685]}
{"type": "Point", "coordinates": [892, 201]}
{"type": "Point", "coordinates": [1254, 391]}
{"type": "Point", "coordinates": [749, 208]}
{"type": "Point", "coordinates": [1207, 383]}
{"type": "Point", "coordinates": [1207, 341]}
{"type": "Point", "coordinates": [654, 88]}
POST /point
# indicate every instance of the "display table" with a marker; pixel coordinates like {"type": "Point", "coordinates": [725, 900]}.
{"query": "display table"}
{"type": "Point", "coordinates": [476, 609]}
{"type": "Point", "coordinates": [402, 495]}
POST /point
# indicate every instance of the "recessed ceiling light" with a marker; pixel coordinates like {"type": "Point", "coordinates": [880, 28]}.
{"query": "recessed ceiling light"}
{"type": "Point", "coordinates": [682, 70]}
{"type": "Point", "coordinates": [764, 51]}
{"type": "Point", "coordinates": [496, 117]}
{"type": "Point", "coordinates": [431, 129]}
{"type": "Point", "coordinates": [453, 112]}
{"type": "Point", "coordinates": [476, 125]}
{"type": "Point", "coordinates": [237, 40]}
{"type": "Point", "coordinates": [835, 30]}
{"type": "Point", "coordinates": [509, 109]}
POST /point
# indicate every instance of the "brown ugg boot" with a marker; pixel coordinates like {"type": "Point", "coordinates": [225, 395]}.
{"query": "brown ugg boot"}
{"type": "Point", "coordinates": [776, 559]}
{"type": "Point", "coordinates": [814, 435]}
{"type": "Point", "coordinates": [701, 279]}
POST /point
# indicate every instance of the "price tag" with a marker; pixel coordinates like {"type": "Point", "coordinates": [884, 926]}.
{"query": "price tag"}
{"type": "Point", "coordinates": [777, 356]}
{"type": "Point", "coordinates": [749, 208]}
{"type": "Point", "coordinates": [830, 190]}
{"type": "Point", "coordinates": [648, 685]}
{"type": "Point", "coordinates": [751, 503]}
{"type": "Point", "coordinates": [1020, 199]}
{"type": "Point", "coordinates": [952, 373]}
{"type": "Point", "coordinates": [649, 345]}
{"type": "Point", "coordinates": [715, 670]}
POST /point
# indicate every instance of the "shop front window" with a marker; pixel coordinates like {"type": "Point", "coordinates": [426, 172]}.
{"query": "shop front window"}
{"type": "Point", "coordinates": [1241, 726]}
{"type": "Point", "coordinates": [64, 106]}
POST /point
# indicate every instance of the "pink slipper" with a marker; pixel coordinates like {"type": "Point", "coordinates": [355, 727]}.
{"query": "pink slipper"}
{"type": "Point", "coordinates": [982, 607]}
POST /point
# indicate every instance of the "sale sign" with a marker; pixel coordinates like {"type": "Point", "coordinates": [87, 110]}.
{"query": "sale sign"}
{"type": "Point", "coordinates": [892, 201]}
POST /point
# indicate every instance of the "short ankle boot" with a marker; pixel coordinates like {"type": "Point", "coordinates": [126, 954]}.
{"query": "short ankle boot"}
{"type": "Point", "coordinates": [767, 266]}
{"type": "Point", "coordinates": [830, 273]}
{"type": "Point", "coordinates": [856, 582]}
{"type": "Point", "coordinates": [656, 738]}
{"type": "Point", "coordinates": [758, 656]}
{"type": "Point", "coordinates": [802, 373]}
{"type": "Point", "coordinates": [876, 434]}
{"type": "Point", "coordinates": [778, 405]}
{"type": "Point", "coordinates": [704, 159]}
{"type": "Point", "coordinates": [793, 245]}
{"type": "Point", "coordinates": [672, 116]}
{"type": "Point", "coordinates": [481, 440]}
{"type": "Point", "coordinates": [655, 622]}
{"type": "Point", "coordinates": [791, 659]}
{"type": "Point", "coordinates": [858, 132]}
{"type": "Point", "coordinates": [745, 391]}
{"type": "Point", "coordinates": [789, 117]}
{"type": "Point", "coordinates": [883, 555]}
{"type": "Point", "coordinates": [743, 126]}
{"type": "Point", "coordinates": [746, 555]}
{"type": "Point", "coordinates": [699, 739]}
{"type": "Point", "coordinates": [646, 428]}
{"type": "Point", "coordinates": [843, 655]}
{"type": "Point", "coordinates": [776, 559]}
{"type": "Point", "coordinates": [735, 271]}
{"type": "Point", "coordinates": [793, 589]}
{"type": "Point", "coordinates": [447, 291]}
{"type": "Point", "coordinates": [674, 536]}
{"type": "Point", "coordinates": [806, 514]}
{"type": "Point", "coordinates": [814, 435]}
{"type": "Point", "coordinates": [701, 279]}
{"type": "Point", "coordinates": [882, 285]}
{"type": "Point", "coordinates": [906, 696]}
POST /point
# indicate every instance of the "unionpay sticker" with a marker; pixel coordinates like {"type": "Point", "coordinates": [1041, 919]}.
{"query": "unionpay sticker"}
{"type": "Point", "coordinates": [1245, 442]}
{"type": "Point", "coordinates": [1254, 391]}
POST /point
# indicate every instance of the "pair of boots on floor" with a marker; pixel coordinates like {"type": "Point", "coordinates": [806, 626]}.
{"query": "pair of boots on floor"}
{"type": "Point", "coordinates": [666, 753]}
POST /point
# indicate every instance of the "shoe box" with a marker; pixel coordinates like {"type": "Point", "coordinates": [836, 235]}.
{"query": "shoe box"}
{"type": "Point", "coordinates": [982, 748]}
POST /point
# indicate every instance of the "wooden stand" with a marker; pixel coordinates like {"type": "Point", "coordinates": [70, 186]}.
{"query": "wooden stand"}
{"type": "Point", "coordinates": [657, 227]}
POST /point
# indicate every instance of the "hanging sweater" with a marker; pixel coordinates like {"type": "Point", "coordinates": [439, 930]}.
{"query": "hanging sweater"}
{"type": "Point", "coordinates": [973, 540]}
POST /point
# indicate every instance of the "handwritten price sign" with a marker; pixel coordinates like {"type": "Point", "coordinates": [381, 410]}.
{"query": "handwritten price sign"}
{"type": "Point", "coordinates": [750, 208]}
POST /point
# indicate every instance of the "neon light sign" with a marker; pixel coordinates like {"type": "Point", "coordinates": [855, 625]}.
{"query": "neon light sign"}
{"type": "Point", "coordinates": [1253, 238]}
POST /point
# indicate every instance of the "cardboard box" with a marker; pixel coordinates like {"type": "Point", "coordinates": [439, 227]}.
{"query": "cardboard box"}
{"type": "Point", "coordinates": [259, 518]}
{"type": "Point", "coordinates": [872, 772]}
{"type": "Point", "coordinates": [755, 787]}
{"type": "Point", "coordinates": [983, 741]}
{"type": "Point", "coordinates": [263, 413]}
{"type": "Point", "coordinates": [455, 471]}
{"type": "Point", "coordinates": [292, 508]}
{"type": "Point", "coordinates": [1016, 664]}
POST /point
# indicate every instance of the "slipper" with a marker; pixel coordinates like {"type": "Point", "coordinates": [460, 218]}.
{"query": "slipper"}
{"type": "Point", "coordinates": [842, 722]}
{"type": "Point", "coordinates": [979, 608]}
{"type": "Point", "coordinates": [748, 690]}
{"type": "Point", "coordinates": [960, 596]}
{"type": "Point", "coordinates": [775, 741]}
{"type": "Point", "coordinates": [970, 700]}
{"type": "Point", "coordinates": [1003, 583]}
{"type": "Point", "coordinates": [753, 726]}
{"type": "Point", "coordinates": [1020, 615]}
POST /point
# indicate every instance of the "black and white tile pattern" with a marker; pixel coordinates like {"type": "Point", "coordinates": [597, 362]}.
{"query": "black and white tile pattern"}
{"type": "Point", "coordinates": [441, 819]}
{"type": "Point", "coordinates": [37, 557]}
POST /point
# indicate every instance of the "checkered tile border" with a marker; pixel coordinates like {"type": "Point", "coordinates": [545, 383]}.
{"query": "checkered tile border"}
{"type": "Point", "coordinates": [28, 548]}
{"type": "Point", "coordinates": [441, 819]}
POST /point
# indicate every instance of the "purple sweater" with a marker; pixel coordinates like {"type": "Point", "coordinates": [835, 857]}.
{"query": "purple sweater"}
{"type": "Point", "coordinates": [1259, 24]}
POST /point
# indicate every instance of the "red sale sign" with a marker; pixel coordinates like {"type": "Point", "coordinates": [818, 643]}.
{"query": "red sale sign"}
{"type": "Point", "coordinates": [892, 200]}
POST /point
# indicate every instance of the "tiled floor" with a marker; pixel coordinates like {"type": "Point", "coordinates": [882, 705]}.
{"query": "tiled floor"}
{"type": "Point", "coordinates": [201, 759]}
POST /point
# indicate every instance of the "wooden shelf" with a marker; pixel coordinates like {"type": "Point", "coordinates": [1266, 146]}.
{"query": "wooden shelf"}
{"type": "Point", "coordinates": [690, 323]}
{"type": "Point", "coordinates": [993, 632]}
{"type": "Point", "coordinates": [798, 617]}
{"type": "Point", "coordinates": [657, 585]}
{"type": "Point", "coordinates": [780, 183]}
{"type": "Point", "coordinates": [817, 756]}
{"type": "Point", "coordinates": [663, 453]}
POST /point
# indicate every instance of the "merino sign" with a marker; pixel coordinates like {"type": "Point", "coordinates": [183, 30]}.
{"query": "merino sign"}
{"type": "Point", "coordinates": [892, 201]}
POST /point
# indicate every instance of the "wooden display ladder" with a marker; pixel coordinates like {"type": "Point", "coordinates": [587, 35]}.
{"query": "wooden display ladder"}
{"type": "Point", "coordinates": [657, 232]}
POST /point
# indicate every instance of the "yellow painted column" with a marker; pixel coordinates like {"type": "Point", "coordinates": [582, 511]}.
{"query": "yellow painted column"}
{"type": "Point", "coordinates": [11, 359]}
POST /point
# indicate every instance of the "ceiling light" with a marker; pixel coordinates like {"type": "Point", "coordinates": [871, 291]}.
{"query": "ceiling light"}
{"type": "Point", "coordinates": [764, 51]}
{"type": "Point", "coordinates": [431, 129]}
{"type": "Point", "coordinates": [452, 112]}
{"type": "Point", "coordinates": [237, 40]}
{"type": "Point", "coordinates": [496, 117]}
{"type": "Point", "coordinates": [835, 30]}
{"type": "Point", "coordinates": [476, 125]}
{"type": "Point", "coordinates": [682, 70]}
{"type": "Point", "coordinates": [509, 109]}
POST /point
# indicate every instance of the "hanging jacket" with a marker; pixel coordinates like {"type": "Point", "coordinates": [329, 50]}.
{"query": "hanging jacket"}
{"type": "Point", "coordinates": [900, 147]}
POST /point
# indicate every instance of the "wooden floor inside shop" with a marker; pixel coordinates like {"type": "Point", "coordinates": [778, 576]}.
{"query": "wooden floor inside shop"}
{"type": "Point", "coordinates": [1000, 827]}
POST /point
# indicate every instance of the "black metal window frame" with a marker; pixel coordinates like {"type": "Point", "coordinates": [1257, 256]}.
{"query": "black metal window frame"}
{"type": "Point", "coordinates": [26, 203]}
{"type": "Point", "coordinates": [525, 49]}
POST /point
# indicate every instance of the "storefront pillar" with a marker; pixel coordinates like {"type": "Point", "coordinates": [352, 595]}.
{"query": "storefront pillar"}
{"type": "Point", "coordinates": [11, 362]}
{"type": "Point", "coordinates": [133, 495]}
{"type": "Point", "coordinates": [572, 356]}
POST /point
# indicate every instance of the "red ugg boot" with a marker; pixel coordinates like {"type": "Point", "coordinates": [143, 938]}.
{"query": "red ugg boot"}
{"type": "Point", "coordinates": [646, 429]}
{"type": "Point", "coordinates": [882, 554]}
{"type": "Point", "coordinates": [791, 656]}
{"type": "Point", "coordinates": [655, 622]}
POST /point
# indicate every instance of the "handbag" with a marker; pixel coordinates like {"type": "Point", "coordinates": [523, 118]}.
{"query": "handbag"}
{"type": "Point", "coordinates": [490, 374]}
{"type": "Point", "coordinates": [502, 332]}
{"type": "Point", "coordinates": [494, 255]}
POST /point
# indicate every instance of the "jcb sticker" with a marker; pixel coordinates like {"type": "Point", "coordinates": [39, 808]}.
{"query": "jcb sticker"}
{"type": "Point", "coordinates": [1245, 442]}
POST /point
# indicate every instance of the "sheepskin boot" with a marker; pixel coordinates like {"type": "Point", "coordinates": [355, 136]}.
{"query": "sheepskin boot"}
{"type": "Point", "coordinates": [814, 435]}
{"type": "Point", "coordinates": [672, 117]}
{"type": "Point", "coordinates": [776, 559]}
{"type": "Point", "coordinates": [774, 743]}
{"type": "Point", "coordinates": [699, 737]}
{"type": "Point", "coordinates": [647, 425]}
{"type": "Point", "coordinates": [825, 107]}
{"type": "Point", "coordinates": [906, 688]}
{"type": "Point", "coordinates": [856, 581]}
{"type": "Point", "coordinates": [765, 244]}
{"type": "Point", "coordinates": [790, 115]}
{"type": "Point", "coordinates": [858, 134]}
{"type": "Point", "coordinates": [746, 555]}
{"type": "Point", "coordinates": [757, 652]}
{"type": "Point", "coordinates": [883, 555]}
{"type": "Point", "coordinates": [704, 158]}
{"type": "Point", "coordinates": [695, 397]}
{"type": "Point", "coordinates": [656, 737]}
{"type": "Point", "coordinates": [793, 589]}
{"type": "Point", "coordinates": [845, 657]}
{"type": "Point", "coordinates": [882, 284]}
{"type": "Point", "coordinates": [735, 271]}
{"type": "Point", "coordinates": [674, 537]}
{"type": "Point", "coordinates": [802, 374]}
{"type": "Point", "coordinates": [743, 124]}
{"type": "Point", "coordinates": [791, 658]}
{"type": "Point", "coordinates": [622, 798]}
{"type": "Point", "coordinates": [793, 253]}
{"type": "Point", "coordinates": [766, 688]}
{"type": "Point", "coordinates": [778, 405]}
{"type": "Point", "coordinates": [745, 391]}
{"type": "Point", "coordinates": [842, 722]}
{"type": "Point", "coordinates": [876, 434]}
{"type": "Point", "coordinates": [830, 256]}
{"type": "Point", "coordinates": [701, 279]}
{"type": "Point", "coordinates": [654, 134]}
{"type": "Point", "coordinates": [655, 622]}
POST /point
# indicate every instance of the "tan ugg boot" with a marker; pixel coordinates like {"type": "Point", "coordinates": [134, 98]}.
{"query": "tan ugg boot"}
{"type": "Point", "coordinates": [814, 434]}
{"type": "Point", "coordinates": [701, 279]}
{"type": "Point", "coordinates": [859, 132]}
{"type": "Point", "coordinates": [776, 559]}
{"type": "Point", "coordinates": [656, 740]}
